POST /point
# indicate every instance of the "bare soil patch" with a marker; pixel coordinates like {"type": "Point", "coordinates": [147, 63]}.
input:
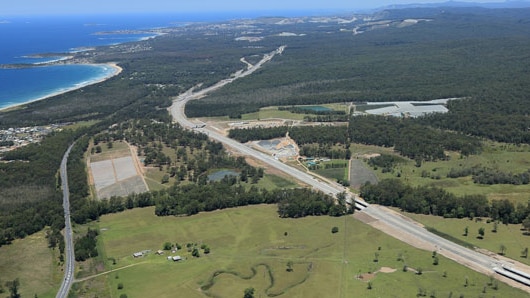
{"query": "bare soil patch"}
{"type": "Point", "coordinates": [360, 174]}
{"type": "Point", "coordinates": [368, 276]}
{"type": "Point", "coordinates": [387, 270]}
{"type": "Point", "coordinates": [363, 217]}
{"type": "Point", "coordinates": [119, 175]}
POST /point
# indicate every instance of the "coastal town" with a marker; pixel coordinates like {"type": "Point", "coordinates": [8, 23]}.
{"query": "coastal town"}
{"type": "Point", "coordinates": [16, 137]}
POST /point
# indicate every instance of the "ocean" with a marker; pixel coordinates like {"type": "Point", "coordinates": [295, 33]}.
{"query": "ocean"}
{"type": "Point", "coordinates": [24, 38]}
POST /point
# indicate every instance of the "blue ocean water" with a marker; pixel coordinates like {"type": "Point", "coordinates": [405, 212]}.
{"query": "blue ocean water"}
{"type": "Point", "coordinates": [24, 37]}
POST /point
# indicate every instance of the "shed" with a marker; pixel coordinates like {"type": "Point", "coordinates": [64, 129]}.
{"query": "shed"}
{"type": "Point", "coordinates": [177, 258]}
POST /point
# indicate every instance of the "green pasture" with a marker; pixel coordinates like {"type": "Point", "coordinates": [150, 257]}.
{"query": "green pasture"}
{"type": "Point", "coordinates": [360, 149]}
{"type": "Point", "coordinates": [333, 173]}
{"type": "Point", "coordinates": [272, 112]}
{"type": "Point", "coordinates": [153, 177]}
{"type": "Point", "coordinates": [33, 263]}
{"type": "Point", "coordinates": [119, 149]}
{"type": "Point", "coordinates": [273, 181]}
{"type": "Point", "coordinates": [81, 124]}
{"type": "Point", "coordinates": [251, 247]}
{"type": "Point", "coordinates": [504, 157]}
{"type": "Point", "coordinates": [510, 236]}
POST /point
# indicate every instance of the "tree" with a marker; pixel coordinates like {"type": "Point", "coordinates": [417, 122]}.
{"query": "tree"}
{"type": "Point", "coordinates": [335, 230]}
{"type": "Point", "coordinates": [13, 288]}
{"type": "Point", "coordinates": [494, 230]}
{"type": "Point", "coordinates": [249, 293]}
{"type": "Point", "coordinates": [435, 260]}
{"type": "Point", "coordinates": [524, 253]}
{"type": "Point", "coordinates": [526, 224]}
{"type": "Point", "coordinates": [481, 233]}
{"type": "Point", "coordinates": [466, 230]}
{"type": "Point", "coordinates": [289, 266]}
{"type": "Point", "coordinates": [195, 252]}
{"type": "Point", "coordinates": [165, 179]}
{"type": "Point", "coordinates": [502, 248]}
{"type": "Point", "coordinates": [168, 246]}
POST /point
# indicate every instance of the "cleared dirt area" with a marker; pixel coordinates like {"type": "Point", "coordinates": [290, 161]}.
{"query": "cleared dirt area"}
{"type": "Point", "coordinates": [281, 148]}
{"type": "Point", "coordinates": [360, 174]}
{"type": "Point", "coordinates": [117, 177]}
{"type": "Point", "coordinates": [123, 188]}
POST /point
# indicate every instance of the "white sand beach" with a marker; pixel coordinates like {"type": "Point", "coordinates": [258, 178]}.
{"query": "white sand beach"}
{"type": "Point", "coordinates": [116, 70]}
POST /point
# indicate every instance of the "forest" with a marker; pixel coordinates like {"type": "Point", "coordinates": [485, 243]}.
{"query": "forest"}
{"type": "Point", "coordinates": [410, 139]}
{"type": "Point", "coordinates": [483, 175]}
{"type": "Point", "coordinates": [322, 141]}
{"type": "Point", "coordinates": [386, 162]}
{"type": "Point", "coordinates": [437, 201]}
{"type": "Point", "coordinates": [475, 55]}
{"type": "Point", "coordinates": [478, 56]}
{"type": "Point", "coordinates": [30, 198]}
{"type": "Point", "coordinates": [323, 135]}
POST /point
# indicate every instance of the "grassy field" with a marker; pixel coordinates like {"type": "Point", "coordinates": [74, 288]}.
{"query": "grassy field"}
{"type": "Point", "coordinates": [81, 124]}
{"type": "Point", "coordinates": [333, 173]}
{"type": "Point", "coordinates": [33, 263]}
{"type": "Point", "coordinates": [272, 112]}
{"type": "Point", "coordinates": [251, 247]}
{"type": "Point", "coordinates": [505, 157]}
{"type": "Point", "coordinates": [510, 236]}
{"type": "Point", "coordinates": [119, 149]}
{"type": "Point", "coordinates": [272, 182]}
{"type": "Point", "coordinates": [153, 177]}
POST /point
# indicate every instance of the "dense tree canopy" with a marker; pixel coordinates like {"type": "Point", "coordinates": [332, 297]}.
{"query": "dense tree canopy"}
{"type": "Point", "coordinates": [436, 201]}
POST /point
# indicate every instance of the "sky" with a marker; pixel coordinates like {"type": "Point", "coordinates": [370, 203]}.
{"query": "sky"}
{"type": "Point", "coordinates": [43, 7]}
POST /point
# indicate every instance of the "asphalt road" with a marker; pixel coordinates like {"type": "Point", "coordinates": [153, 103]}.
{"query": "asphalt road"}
{"type": "Point", "coordinates": [69, 244]}
{"type": "Point", "coordinates": [467, 257]}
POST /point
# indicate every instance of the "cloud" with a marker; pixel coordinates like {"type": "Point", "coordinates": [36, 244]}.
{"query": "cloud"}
{"type": "Point", "coordinates": [5, 22]}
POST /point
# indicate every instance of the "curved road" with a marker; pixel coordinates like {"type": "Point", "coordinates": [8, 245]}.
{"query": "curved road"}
{"type": "Point", "coordinates": [404, 228]}
{"type": "Point", "coordinates": [69, 245]}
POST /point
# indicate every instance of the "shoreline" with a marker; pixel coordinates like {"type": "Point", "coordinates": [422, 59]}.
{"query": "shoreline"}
{"type": "Point", "coordinates": [117, 70]}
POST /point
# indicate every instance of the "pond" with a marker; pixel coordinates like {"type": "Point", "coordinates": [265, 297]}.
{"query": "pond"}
{"type": "Point", "coordinates": [316, 108]}
{"type": "Point", "coordinates": [219, 175]}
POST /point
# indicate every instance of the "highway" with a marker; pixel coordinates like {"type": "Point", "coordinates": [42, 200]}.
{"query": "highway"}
{"type": "Point", "coordinates": [69, 244]}
{"type": "Point", "coordinates": [402, 226]}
